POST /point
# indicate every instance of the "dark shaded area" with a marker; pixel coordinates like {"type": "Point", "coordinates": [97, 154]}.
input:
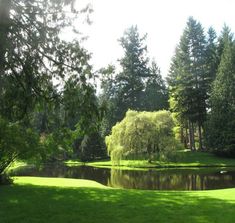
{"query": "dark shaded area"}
{"type": "Point", "coordinates": [152, 179]}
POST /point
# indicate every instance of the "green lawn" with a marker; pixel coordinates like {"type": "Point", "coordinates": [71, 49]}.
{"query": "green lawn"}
{"type": "Point", "coordinates": [77, 201]}
{"type": "Point", "coordinates": [186, 159]}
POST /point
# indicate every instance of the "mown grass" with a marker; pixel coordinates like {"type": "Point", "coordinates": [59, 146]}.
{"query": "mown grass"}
{"type": "Point", "coordinates": [185, 159]}
{"type": "Point", "coordinates": [66, 200]}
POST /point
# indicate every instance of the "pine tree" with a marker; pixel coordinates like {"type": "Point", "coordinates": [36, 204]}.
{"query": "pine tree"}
{"type": "Point", "coordinates": [221, 135]}
{"type": "Point", "coordinates": [212, 58]}
{"type": "Point", "coordinates": [134, 67]}
{"type": "Point", "coordinates": [187, 79]}
{"type": "Point", "coordinates": [155, 96]}
{"type": "Point", "coordinates": [224, 37]}
{"type": "Point", "coordinates": [137, 86]}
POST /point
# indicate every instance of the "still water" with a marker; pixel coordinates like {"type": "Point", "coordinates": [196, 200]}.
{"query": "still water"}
{"type": "Point", "coordinates": [153, 179]}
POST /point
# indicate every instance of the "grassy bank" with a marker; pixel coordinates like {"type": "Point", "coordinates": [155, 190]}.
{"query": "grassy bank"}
{"type": "Point", "coordinates": [185, 159]}
{"type": "Point", "coordinates": [67, 200]}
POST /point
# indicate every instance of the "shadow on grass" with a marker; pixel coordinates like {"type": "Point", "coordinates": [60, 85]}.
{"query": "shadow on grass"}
{"type": "Point", "coordinates": [90, 205]}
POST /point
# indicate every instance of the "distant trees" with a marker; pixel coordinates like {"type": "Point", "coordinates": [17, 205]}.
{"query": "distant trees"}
{"type": "Point", "coordinates": [194, 81]}
{"type": "Point", "coordinates": [138, 85]}
{"type": "Point", "coordinates": [142, 133]}
{"type": "Point", "coordinates": [155, 96]}
{"type": "Point", "coordinates": [78, 117]}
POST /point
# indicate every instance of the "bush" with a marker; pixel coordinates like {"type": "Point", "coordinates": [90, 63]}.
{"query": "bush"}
{"type": "Point", "coordinates": [16, 142]}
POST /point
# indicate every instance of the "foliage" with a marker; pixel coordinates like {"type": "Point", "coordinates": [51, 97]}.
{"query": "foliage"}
{"type": "Point", "coordinates": [44, 80]}
{"type": "Point", "coordinates": [108, 99]}
{"type": "Point", "coordinates": [212, 59]}
{"type": "Point", "coordinates": [31, 53]}
{"type": "Point", "coordinates": [155, 94]}
{"type": "Point", "coordinates": [138, 85]}
{"type": "Point", "coordinates": [16, 142]}
{"type": "Point", "coordinates": [91, 147]}
{"type": "Point", "coordinates": [57, 145]}
{"type": "Point", "coordinates": [142, 133]}
{"type": "Point", "coordinates": [134, 69]}
{"type": "Point", "coordinates": [220, 131]}
{"type": "Point", "coordinates": [190, 78]}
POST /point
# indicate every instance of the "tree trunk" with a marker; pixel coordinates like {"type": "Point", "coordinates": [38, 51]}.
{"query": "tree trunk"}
{"type": "Point", "coordinates": [200, 136]}
{"type": "Point", "coordinates": [186, 137]}
{"type": "Point", "coordinates": [191, 136]}
{"type": "Point", "coordinates": [193, 139]}
{"type": "Point", "coordinates": [4, 29]}
{"type": "Point", "coordinates": [181, 134]}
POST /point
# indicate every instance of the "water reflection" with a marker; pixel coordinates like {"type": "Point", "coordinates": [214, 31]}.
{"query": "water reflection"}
{"type": "Point", "coordinates": [171, 180]}
{"type": "Point", "coordinates": [203, 179]}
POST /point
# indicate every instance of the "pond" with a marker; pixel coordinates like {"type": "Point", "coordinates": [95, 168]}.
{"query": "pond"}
{"type": "Point", "coordinates": [151, 179]}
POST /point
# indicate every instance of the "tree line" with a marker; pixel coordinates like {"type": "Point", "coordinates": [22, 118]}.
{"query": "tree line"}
{"type": "Point", "coordinates": [201, 88]}
{"type": "Point", "coordinates": [50, 108]}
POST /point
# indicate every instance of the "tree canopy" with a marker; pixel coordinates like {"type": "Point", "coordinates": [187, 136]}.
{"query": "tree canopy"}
{"type": "Point", "coordinates": [139, 84]}
{"type": "Point", "coordinates": [221, 122]}
{"type": "Point", "coordinates": [190, 79]}
{"type": "Point", "coordinates": [44, 81]}
{"type": "Point", "coordinates": [149, 133]}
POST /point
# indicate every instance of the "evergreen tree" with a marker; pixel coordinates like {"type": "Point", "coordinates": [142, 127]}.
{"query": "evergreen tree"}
{"type": "Point", "coordinates": [155, 93]}
{"type": "Point", "coordinates": [134, 69]}
{"type": "Point", "coordinates": [221, 135]}
{"type": "Point", "coordinates": [224, 37]}
{"type": "Point", "coordinates": [32, 53]}
{"type": "Point", "coordinates": [212, 58]}
{"type": "Point", "coordinates": [212, 63]}
{"type": "Point", "coordinates": [137, 86]}
{"type": "Point", "coordinates": [187, 79]}
{"type": "Point", "coordinates": [108, 99]}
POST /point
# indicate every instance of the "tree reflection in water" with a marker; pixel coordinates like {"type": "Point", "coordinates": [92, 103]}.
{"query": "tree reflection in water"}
{"type": "Point", "coordinates": [153, 179]}
{"type": "Point", "coordinates": [172, 180]}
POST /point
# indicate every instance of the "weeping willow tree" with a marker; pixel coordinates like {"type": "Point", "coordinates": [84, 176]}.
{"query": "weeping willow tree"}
{"type": "Point", "coordinates": [142, 133]}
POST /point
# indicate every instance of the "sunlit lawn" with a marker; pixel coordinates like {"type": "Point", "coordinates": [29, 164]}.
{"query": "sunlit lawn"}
{"type": "Point", "coordinates": [78, 201]}
{"type": "Point", "coordinates": [185, 159]}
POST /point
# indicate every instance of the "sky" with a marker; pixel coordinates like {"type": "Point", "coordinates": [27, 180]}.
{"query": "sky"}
{"type": "Point", "coordinates": [162, 20]}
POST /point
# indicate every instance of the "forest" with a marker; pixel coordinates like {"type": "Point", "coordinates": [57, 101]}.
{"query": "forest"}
{"type": "Point", "coordinates": [52, 110]}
